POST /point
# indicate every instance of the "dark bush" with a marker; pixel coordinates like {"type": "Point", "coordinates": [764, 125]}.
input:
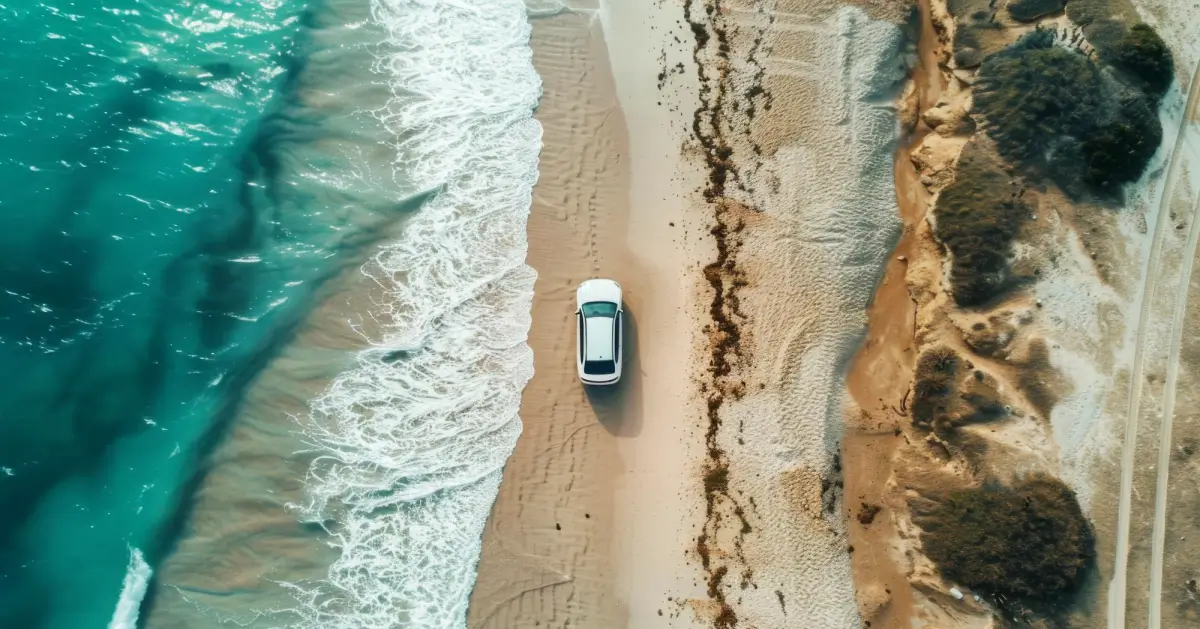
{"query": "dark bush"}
{"type": "Point", "coordinates": [1118, 152]}
{"type": "Point", "coordinates": [977, 217]}
{"type": "Point", "coordinates": [1051, 110]}
{"type": "Point", "coordinates": [935, 380]}
{"type": "Point", "coordinates": [1144, 59]}
{"type": "Point", "coordinates": [1028, 546]}
{"type": "Point", "coordinates": [1034, 93]}
{"type": "Point", "coordinates": [1030, 10]}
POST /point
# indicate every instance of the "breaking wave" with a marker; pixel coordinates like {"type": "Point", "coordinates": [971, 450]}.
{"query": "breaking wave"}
{"type": "Point", "coordinates": [137, 579]}
{"type": "Point", "coordinates": [413, 438]}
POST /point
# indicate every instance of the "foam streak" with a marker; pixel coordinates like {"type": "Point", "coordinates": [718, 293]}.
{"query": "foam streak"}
{"type": "Point", "coordinates": [137, 578]}
{"type": "Point", "coordinates": [413, 447]}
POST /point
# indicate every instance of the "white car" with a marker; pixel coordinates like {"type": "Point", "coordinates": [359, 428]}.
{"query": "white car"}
{"type": "Point", "coordinates": [598, 340]}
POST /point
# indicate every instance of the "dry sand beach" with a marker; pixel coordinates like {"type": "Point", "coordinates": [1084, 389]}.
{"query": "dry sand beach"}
{"type": "Point", "coordinates": [705, 491]}
{"type": "Point", "coordinates": [763, 181]}
{"type": "Point", "coordinates": [561, 546]}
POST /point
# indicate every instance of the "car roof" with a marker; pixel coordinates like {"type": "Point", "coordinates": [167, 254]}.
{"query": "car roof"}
{"type": "Point", "coordinates": [598, 343]}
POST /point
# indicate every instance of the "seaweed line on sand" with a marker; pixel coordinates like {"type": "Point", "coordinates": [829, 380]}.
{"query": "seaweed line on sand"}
{"type": "Point", "coordinates": [725, 277]}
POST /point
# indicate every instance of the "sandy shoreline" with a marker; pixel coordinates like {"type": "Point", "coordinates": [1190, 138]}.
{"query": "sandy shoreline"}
{"type": "Point", "coordinates": [737, 168]}
{"type": "Point", "coordinates": [637, 507]}
{"type": "Point", "coordinates": [561, 546]}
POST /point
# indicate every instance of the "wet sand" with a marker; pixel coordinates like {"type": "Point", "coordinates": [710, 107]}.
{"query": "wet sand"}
{"type": "Point", "coordinates": [593, 514]}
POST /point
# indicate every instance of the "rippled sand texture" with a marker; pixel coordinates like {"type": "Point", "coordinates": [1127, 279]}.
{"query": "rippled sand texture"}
{"type": "Point", "coordinates": [814, 170]}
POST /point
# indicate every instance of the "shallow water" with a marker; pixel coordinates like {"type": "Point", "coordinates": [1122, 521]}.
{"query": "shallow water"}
{"type": "Point", "coordinates": [185, 183]}
{"type": "Point", "coordinates": [139, 275]}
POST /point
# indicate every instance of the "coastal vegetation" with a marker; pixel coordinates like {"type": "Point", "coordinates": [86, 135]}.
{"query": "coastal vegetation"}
{"type": "Point", "coordinates": [1030, 10]}
{"type": "Point", "coordinates": [1057, 109]}
{"type": "Point", "coordinates": [948, 393]}
{"type": "Point", "coordinates": [1053, 111]}
{"type": "Point", "coordinates": [1143, 57]}
{"type": "Point", "coordinates": [977, 217]}
{"type": "Point", "coordinates": [1122, 41]}
{"type": "Point", "coordinates": [935, 382]}
{"type": "Point", "coordinates": [1026, 547]}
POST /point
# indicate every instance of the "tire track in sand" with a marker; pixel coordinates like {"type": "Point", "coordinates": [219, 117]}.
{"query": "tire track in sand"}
{"type": "Point", "coordinates": [1117, 587]}
{"type": "Point", "coordinates": [1189, 131]}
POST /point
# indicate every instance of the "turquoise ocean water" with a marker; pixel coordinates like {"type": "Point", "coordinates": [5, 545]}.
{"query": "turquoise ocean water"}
{"type": "Point", "coordinates": [181, 181]}
{"type": "Point", "coordinates": [145, 268]}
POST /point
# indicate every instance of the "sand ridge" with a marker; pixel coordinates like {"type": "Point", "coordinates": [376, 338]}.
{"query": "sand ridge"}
{"type": "Point", "coordinates": [805, 237]}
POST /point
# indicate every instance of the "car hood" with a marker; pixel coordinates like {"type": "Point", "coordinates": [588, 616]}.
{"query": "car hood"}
{"type": "Point", "coordinates": [598, 290]}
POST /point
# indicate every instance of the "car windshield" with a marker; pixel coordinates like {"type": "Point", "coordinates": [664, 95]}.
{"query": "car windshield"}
{"type": "Point", "coordinates": [599, 367]}
{"type": "Point", "coordinates": [600, 309]}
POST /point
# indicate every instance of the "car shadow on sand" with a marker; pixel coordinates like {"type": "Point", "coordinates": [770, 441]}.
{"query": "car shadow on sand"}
{"type": "Point", "coordinates": [618, 407]}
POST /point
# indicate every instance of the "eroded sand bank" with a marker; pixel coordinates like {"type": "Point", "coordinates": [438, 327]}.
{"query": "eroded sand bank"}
{"type": "Point", "coordinates": [1103, 281]}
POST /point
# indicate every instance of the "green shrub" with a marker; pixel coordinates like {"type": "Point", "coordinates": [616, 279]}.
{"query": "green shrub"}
{"type": "Point", "coordinates": [1028, 546]}
{"type": "Point", "coordinates": [1118, 152]}
{"type": "Point", "coordinates": [1144, 59]}
{"type": "Point", "coordinates": [977, 218]}
{"type": "Point", "coordinates": [1140, 55]}
{"type": "Point", "coordinates": [1052, 111]}
{"type": "Point", "coordinates": [1034, 93]}
{"type": "Point", "coordinates": [935, 380]}
{"type": "Point", "coordinates": [1030, 10]}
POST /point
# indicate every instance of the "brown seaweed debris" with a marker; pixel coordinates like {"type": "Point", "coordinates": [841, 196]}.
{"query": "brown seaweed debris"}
{"type": "Point", "coordinates": [724, 276]}
{"type": "Point", "coordinates": [867, 513]}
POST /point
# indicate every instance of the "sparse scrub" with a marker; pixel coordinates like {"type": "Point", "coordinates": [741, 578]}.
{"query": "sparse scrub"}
{"type": "Point", "coordinates": [978, 216]}
{"type": "Point", "coordinates": [1145, 59]}
{"type": "Point", "coordinates": [1027, 547]}
{"type": "Point", "coordinates": [976, 34]}
{"type": "Point", "coordinates": [1052, 110]}
{"type": "Point", "coordinates": [1030, 10]}
{"type": "Point", "coordinates": [935, 381]}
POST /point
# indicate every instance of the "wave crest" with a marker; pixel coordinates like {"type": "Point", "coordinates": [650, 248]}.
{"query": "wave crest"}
{"type": "Point", "coordinates": [133, 590]}
{"type": "Point", "coordinates": [412, 440]}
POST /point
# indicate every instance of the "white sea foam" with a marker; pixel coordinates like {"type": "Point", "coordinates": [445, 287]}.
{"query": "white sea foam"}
{"type": "Point", "coordinates": [137, 578]}
{"type": "Point", "coordinates": [414, 437]}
